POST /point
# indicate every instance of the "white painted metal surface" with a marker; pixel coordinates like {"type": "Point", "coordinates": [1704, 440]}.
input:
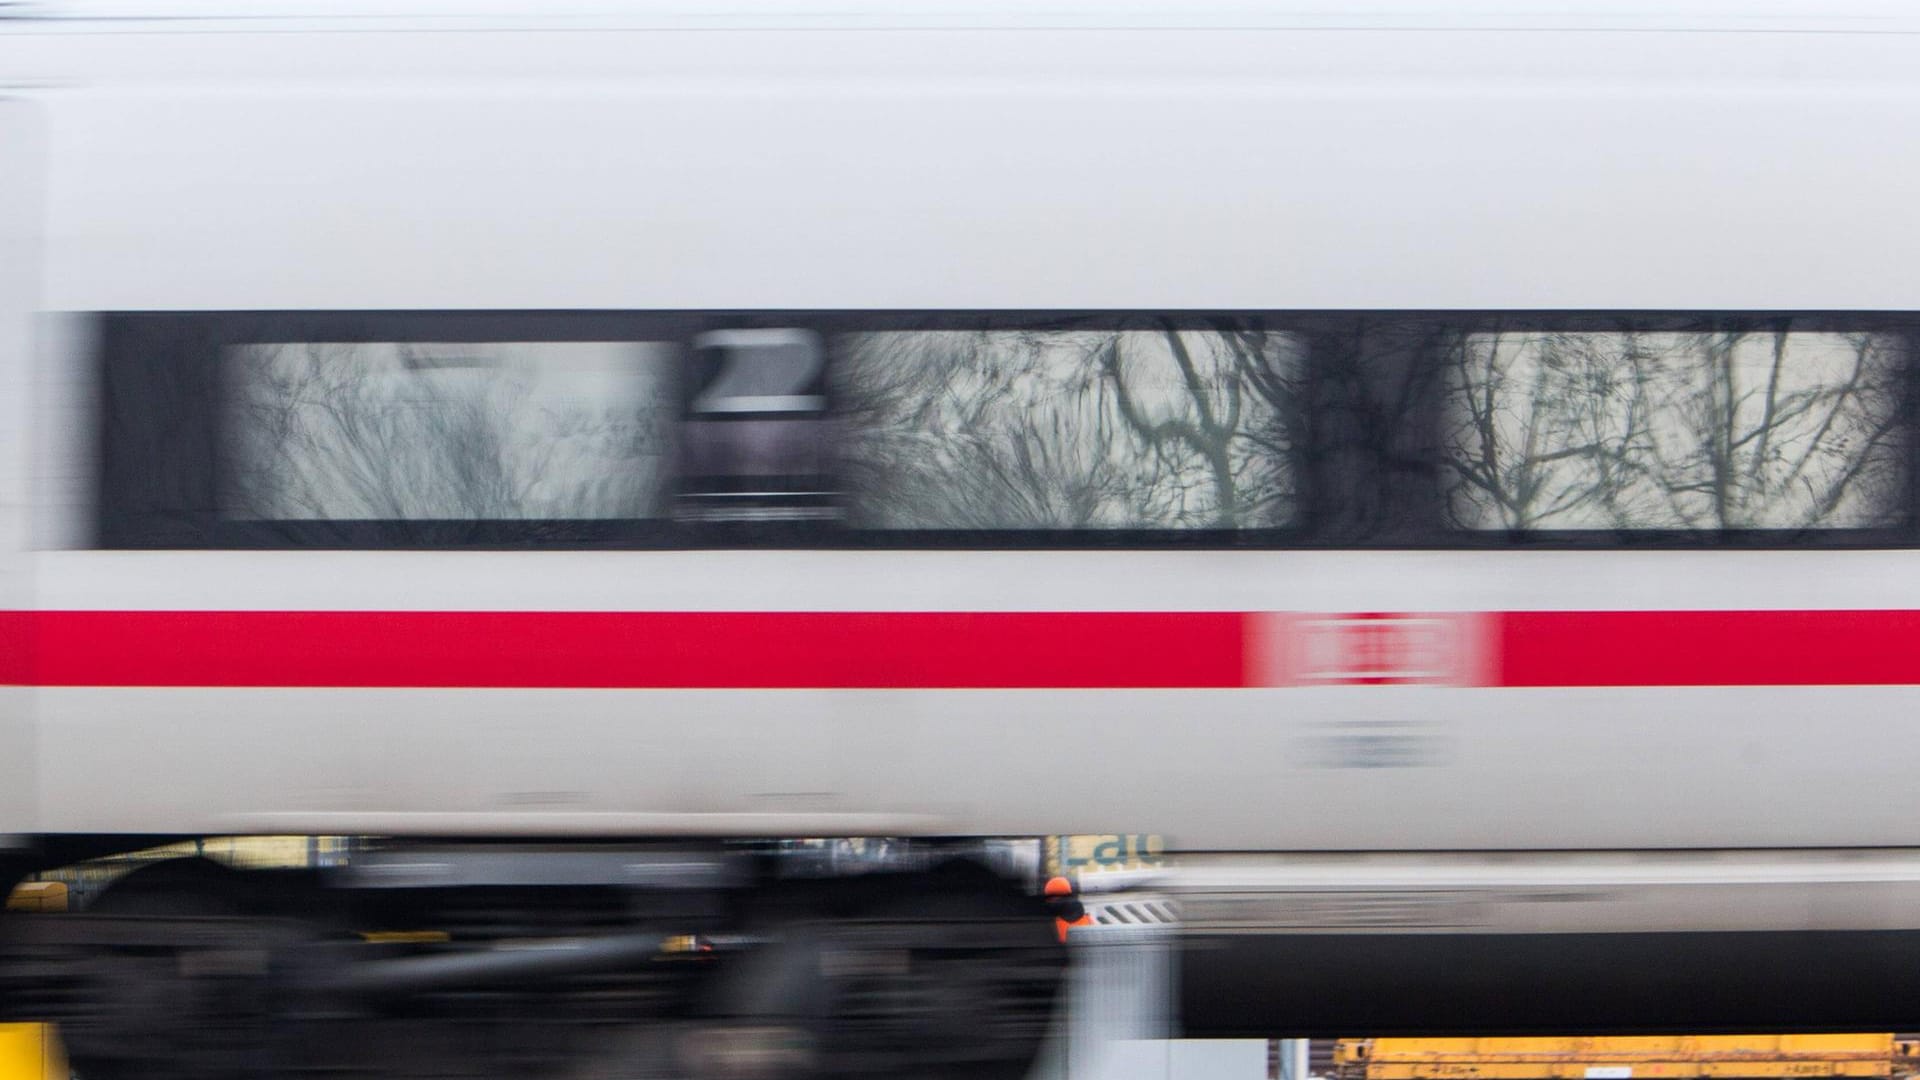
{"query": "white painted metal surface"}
{"type": "Point", "coordinates": [975, 169]}
{"type": "Point", "coordinates": [1867, 15]}
{"type": "Point", "coordinates": [21, 163]}
{"type": "Point", "coordinates": [1118, 1013]}
{"type": "Point", "coordinates": [1187, 1059]}
{"type": "Point", "coordinates": [1592, 892]}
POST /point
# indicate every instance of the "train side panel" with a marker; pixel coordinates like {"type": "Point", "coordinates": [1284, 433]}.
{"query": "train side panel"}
{"type": "Point", "coordinates": [21, 148]}
{"type": "Point", "coordinates": [977, 169]}
{"type": "Point", "coordinates": [1339, 767]}
{"type": "Point", "coordinates": [766, 170]}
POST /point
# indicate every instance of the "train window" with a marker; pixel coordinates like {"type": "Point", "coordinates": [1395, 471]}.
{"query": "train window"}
{"type": "Point", "coordinates": [423, 431]}
{"type": "Point", "coordinates": [520, 429]}
{"type": "Point", "coordinates": [1776, 429]}
{"type": "Point", "coordinates": [1143, 426]}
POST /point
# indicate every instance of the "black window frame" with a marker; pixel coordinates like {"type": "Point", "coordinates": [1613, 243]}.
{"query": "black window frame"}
{"type": "Point", "coordinates": [1366, 467]}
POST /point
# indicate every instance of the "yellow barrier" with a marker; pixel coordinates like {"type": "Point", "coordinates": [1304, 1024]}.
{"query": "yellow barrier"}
{"type": "Point", "coordinates": [1684, 1057]}
{"type": "Point", "coordinates": [30, 1052]}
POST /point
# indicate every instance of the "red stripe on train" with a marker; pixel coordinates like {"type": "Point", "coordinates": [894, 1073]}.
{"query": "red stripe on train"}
{"type": "Point", "coordinates": [627, 649]}
{"type": "Point", "coordinates": [1709, 648]}
{"type": "Point", "coordinates": [944, 650]}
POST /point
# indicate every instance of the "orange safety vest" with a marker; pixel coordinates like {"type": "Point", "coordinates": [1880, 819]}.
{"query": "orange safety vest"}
{"type": "Point", "coordinates": [1059, 893]}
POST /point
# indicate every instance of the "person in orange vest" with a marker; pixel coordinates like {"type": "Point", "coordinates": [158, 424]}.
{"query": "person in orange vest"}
{"type": "Point", "coordinates": [1068, 911]}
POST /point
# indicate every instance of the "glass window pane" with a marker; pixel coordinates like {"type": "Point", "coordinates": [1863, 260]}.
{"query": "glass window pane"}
{"type": "Point", "coordinates": [1771, 430]}
{"type": "Point", "coordinates": [437, 431]}
{"type": "Point", "coordinates": [1162, 428]}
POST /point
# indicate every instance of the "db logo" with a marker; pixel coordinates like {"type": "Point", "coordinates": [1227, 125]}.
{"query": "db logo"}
{"type": "Point", "coordinates": [1371, 649]}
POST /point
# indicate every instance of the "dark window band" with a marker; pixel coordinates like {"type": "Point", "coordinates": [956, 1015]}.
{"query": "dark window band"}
{"type": "Point", "coordinates": [1004, 429]}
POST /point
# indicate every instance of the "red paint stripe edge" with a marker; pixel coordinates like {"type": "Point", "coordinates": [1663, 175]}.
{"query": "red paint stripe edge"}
{"type": "Point", "coordinates": [904, 650]}
{"type": "Point", "coordinates": [1709, 648]}
{"type": "Point", "coordinates": [630, 649]}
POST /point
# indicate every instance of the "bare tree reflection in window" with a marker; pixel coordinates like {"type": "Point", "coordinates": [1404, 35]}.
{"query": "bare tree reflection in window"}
{"type": "Point", "coordinates": [1673, 430]}
{"type": "Point", "coordinates": [1165, 427]}
{"type": "Point", "coordinates": [429, 431]}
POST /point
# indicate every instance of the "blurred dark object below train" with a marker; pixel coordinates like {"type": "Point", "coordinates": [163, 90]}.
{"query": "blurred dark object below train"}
{"type": "Point", "coordinates": [466, 961]}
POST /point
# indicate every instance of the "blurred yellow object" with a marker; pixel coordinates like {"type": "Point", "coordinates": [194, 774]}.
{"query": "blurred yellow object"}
{"type": "Point", "coordinates": [1621, 1057]}
{"type": "Point", "coordinates": [38, 896]}
{"type": "Point", "coordinates": [30, 1052]}
{"type": "Point", "coordinates": [1078, 855]}
{"type": "Point", "coordinates": [249, 852]}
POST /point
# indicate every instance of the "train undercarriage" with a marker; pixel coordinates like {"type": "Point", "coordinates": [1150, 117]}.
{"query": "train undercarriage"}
{"type": "Point", "coordinates": [573, 962]}
{"type": "Point", "coordinates": [757, 961]}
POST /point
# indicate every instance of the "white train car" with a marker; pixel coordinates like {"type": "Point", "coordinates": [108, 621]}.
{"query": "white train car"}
{"type": "Point", "coordinates": [1465, 447]}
